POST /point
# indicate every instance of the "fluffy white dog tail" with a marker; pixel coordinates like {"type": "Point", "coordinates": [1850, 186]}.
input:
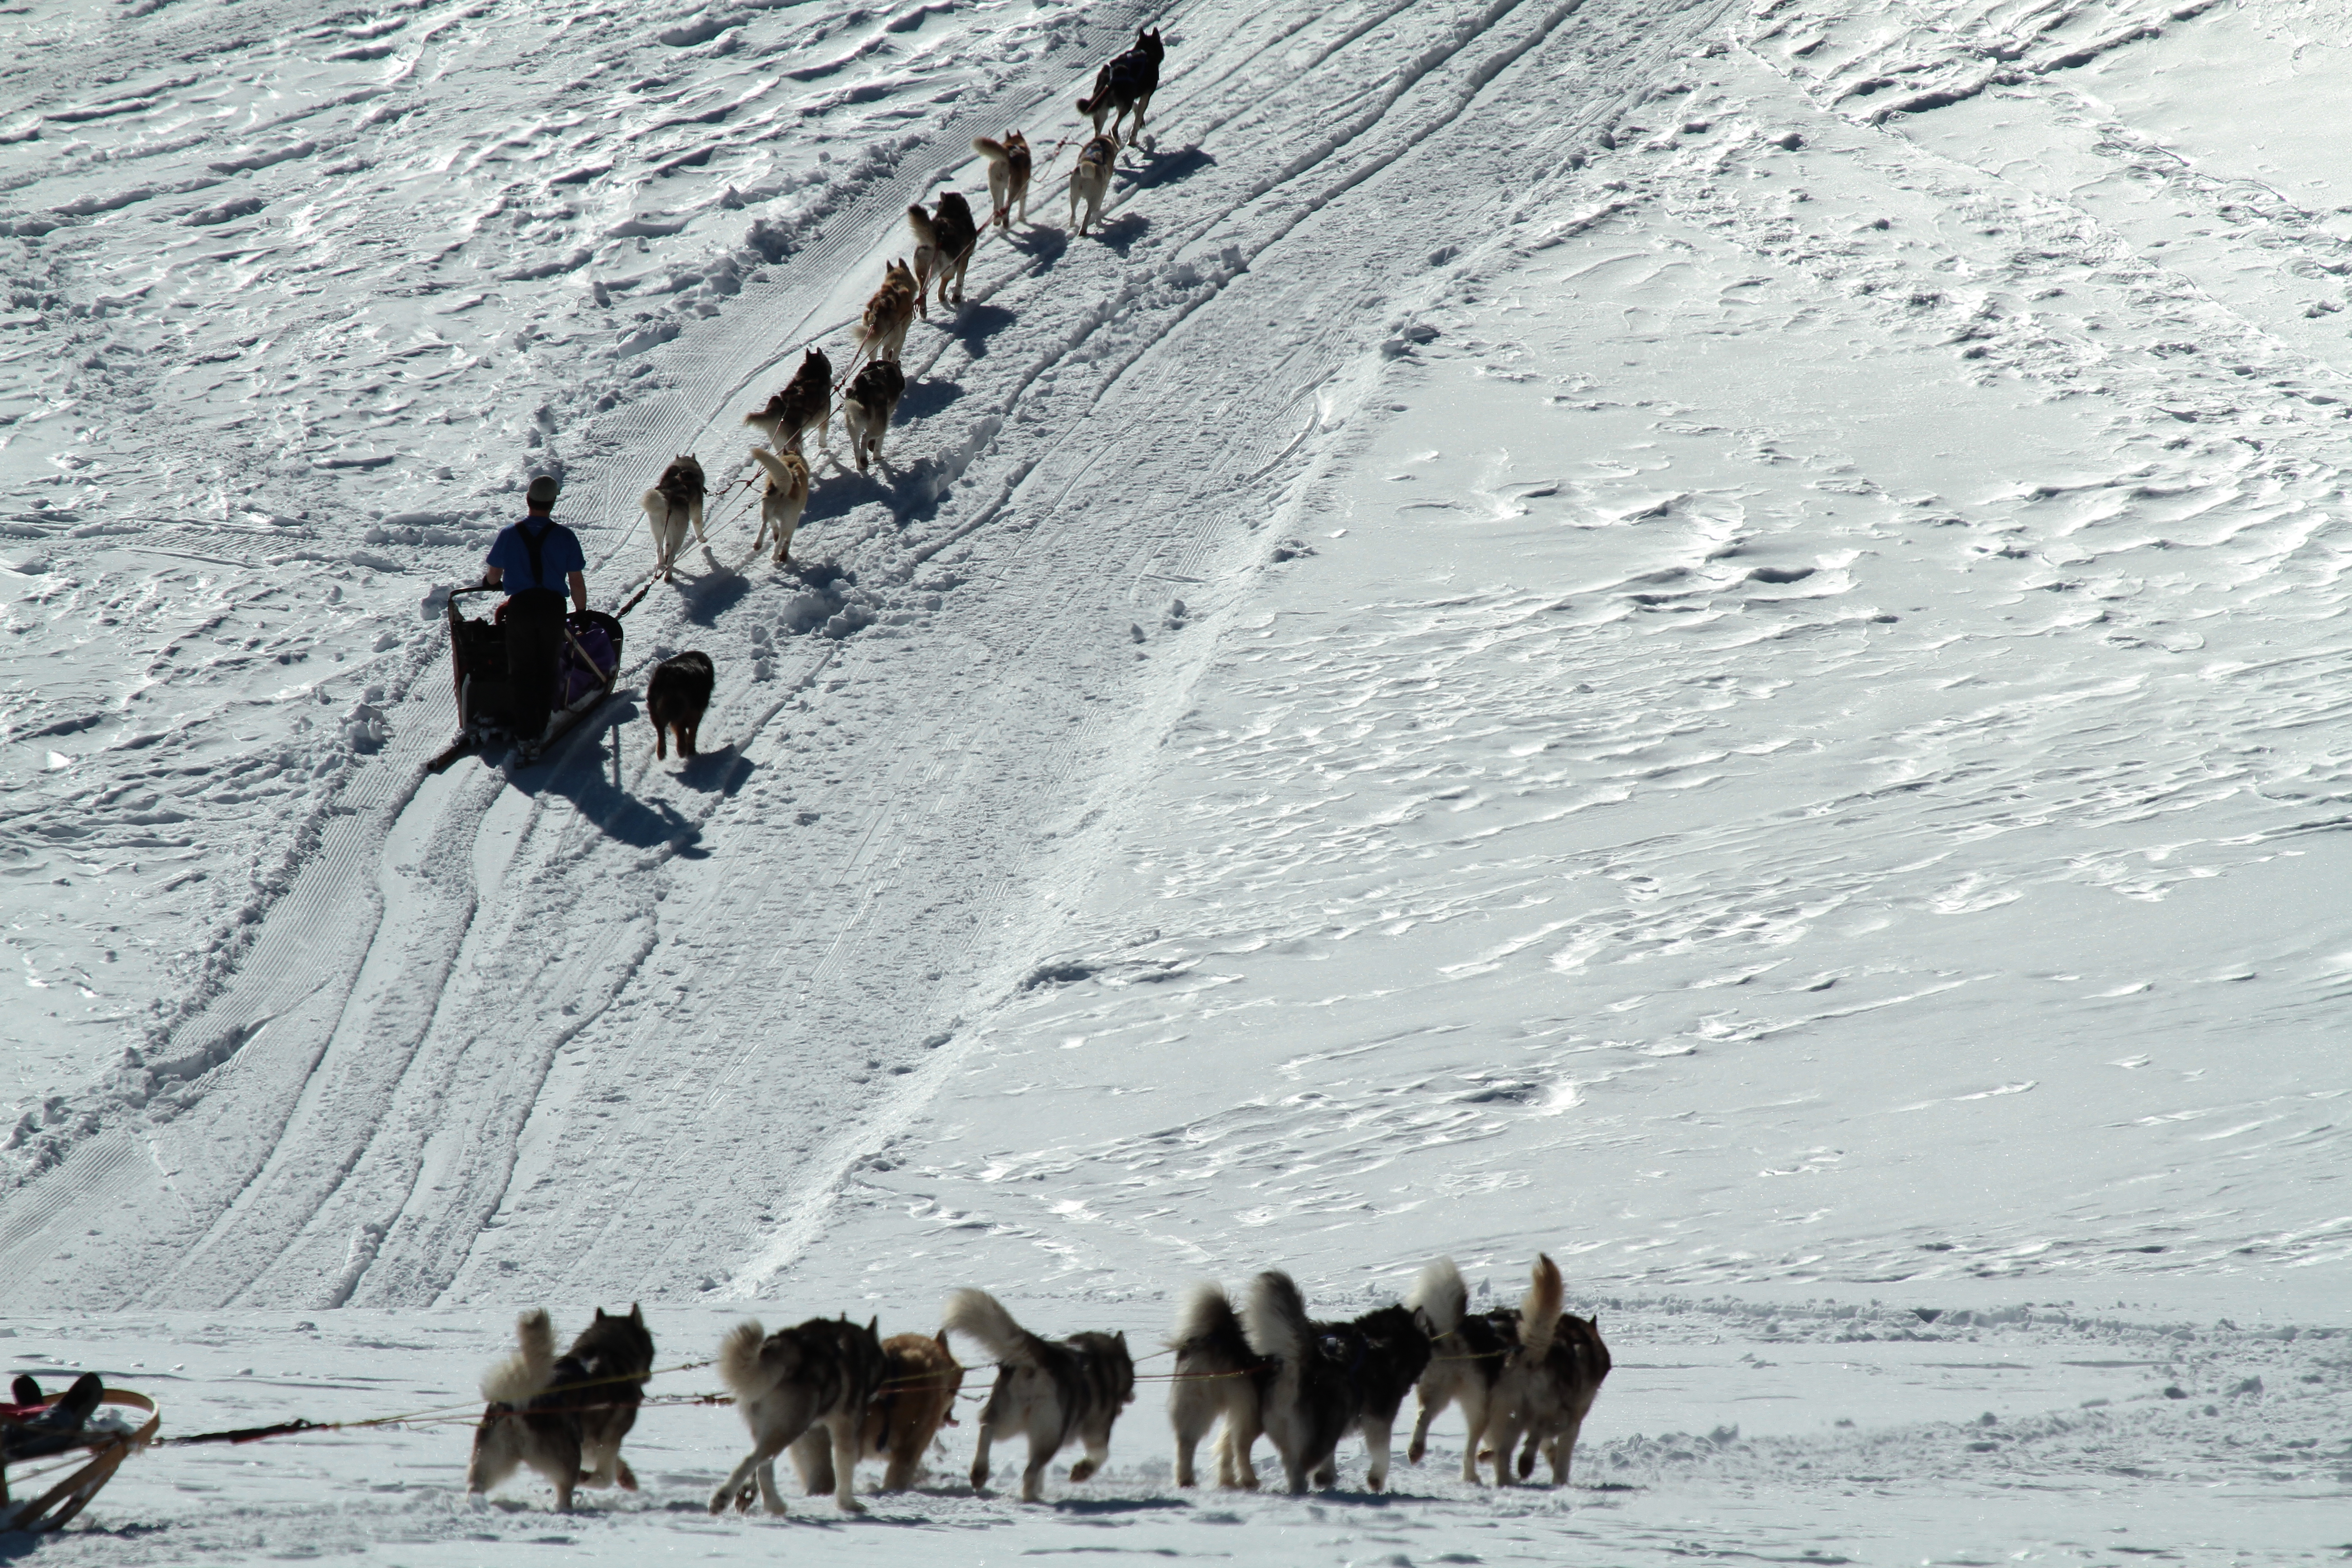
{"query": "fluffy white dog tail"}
{"type": "Point", "coordinates": [1274, 1322]}
{"type": "Point", "coordinates": [1208, 1311]}
{"type": "Point", "coordinates": [978, 1315]}
{"type": "Point", "coordinates": [777, 475]}
{"type": "Point", "coordinates": [1440, 1296]}
{"type": "Point", "coordinates": [739, 1358]}
{"type": "Point", "coordinates": [531, 1368]}
{"type": "Point", "coordinates": [1539, 1309]}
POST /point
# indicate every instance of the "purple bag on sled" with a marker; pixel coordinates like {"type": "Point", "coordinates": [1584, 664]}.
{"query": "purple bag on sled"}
{"type": "Point", "coordinates": [578, 679]}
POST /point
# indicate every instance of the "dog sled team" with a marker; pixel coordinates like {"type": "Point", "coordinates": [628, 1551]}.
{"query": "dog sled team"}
{"type": "Point", "coordinates": [944, 240]}
{"type": "Point", "coordinates": [831, 1392]}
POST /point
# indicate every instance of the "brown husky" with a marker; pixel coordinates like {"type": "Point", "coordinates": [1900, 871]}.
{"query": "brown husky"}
{"type": "Point", "coordinates": [783, 500]}
{"type": "Point", "coordinates": [1051, 1390]}
{"type": "Point", "coordinates": [944, 246]}
{"type": "Point", "coordinates": [806, 400]}
{"type": "Point", "coordinates": [558, 1413]}
{"type": "Point", "coordinates": [1008, 176]}
{"type": "Point", "coordinates": [882, 331]}
{"type": "Point", "coordinates": [916, 1398]}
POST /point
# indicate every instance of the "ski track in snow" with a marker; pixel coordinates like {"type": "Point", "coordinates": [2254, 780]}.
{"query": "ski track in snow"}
{"type": "Point", "coordinates": [1697, 637]}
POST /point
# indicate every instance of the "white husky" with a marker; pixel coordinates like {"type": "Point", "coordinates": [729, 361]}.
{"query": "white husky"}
{"type": "Point", "coordinates": [785, 498]}
{"type": "Point", "coordinates": [675, 500]}
{"type": "Point", "coordinates": [1090, 181]}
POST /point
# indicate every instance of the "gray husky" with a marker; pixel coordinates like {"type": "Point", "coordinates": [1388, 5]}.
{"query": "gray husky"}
{"type": "Point", "coordinates": [799, 1388]}
{"type": "Point", "coordinates": [1051, 1390]}
{"type": "Point", "coordinates": [556, 1414]}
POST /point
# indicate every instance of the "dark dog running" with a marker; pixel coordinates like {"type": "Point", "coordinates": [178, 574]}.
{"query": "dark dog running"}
{"type": "Point", "coordinates": [1127, 83]}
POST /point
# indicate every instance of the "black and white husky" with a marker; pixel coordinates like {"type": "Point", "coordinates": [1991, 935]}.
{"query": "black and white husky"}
{"type": "Point", "coordinates": [800, 1388]}
{"type": "Point", "coordinates": [1051, 1391]}
{"type": "Point", "coordinates": [1337, 1378]}
{"type": "Point", "coordinates": [563, 1415]}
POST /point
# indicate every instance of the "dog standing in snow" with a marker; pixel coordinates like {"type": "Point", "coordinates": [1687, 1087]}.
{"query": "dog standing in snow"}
{"type": "Point", "coordinates": [1125, 84]}
{"type": "Point", "coordinates": [916, 1398]}
{"type": "Point", "coordinates": [802, 1388]}
{"type": "Point", "coordinates": [1052, 1391]}
{"type": "Point", "coordinates": [676, 697]}
{"type": "Point", "coordinates": [1090, 181]}
{"type": "Point", "coordinates": [675, 500]}
{"type": "Point", "coordinates": [806, 400]}
{"type": "Point", "coordinates": [1008, 176]}
{"type": "Point", "coordinates": [868, 407]}
{"type": "Point", "coordinates": [560, 1415]}
{"type": "Point", "coordinates": [1337, 1378]}
{"type": "Point", "coordinates": [882, 330]}
{"type": "Point", "coordinates": [783, 500]}
{"type": "Point", "coordinates": [1547, 1384]}
{"type": "Point", "coordinates": [943, 244]}
{"type": "Point", "coordinates": [1217, 1375]}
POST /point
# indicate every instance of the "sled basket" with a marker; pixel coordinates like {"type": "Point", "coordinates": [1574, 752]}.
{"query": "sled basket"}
{"type": "Point", "coordinates": [586, 667]}
{"type": "Point", "coordinates": [103, 1453]}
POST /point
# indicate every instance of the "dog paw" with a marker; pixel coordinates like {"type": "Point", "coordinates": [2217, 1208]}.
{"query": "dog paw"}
{"type": "Point", "coordinates": [1082, 1469]}
{"type": "Point", "coordinates": [851, 1505]}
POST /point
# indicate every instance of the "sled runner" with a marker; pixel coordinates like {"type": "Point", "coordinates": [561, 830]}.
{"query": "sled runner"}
{"type": "Point", "coordinates": [65, 1430]}
{"type": "Point", "coordinates": [586, 668]}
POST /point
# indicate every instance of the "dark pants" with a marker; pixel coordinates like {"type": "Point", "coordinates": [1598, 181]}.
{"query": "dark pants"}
{"type": "Point", "coordinates": [534, 628]}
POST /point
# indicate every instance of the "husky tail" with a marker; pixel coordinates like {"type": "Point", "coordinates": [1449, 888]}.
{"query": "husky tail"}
{"type": "Point", "coordinates": [1208, 1316]}
{"type": "Point", "coordinates": [981, 1316]}
{"type": "Point", "coordinates": [778, 474]}
{"type": "Point", "coordinates": [1539, 1309]}
{"type": "Point", "coordinates": [1440, 1298]}
{"type": "Point", "coordinates": [739, 1358]}
{"type": "Point", "coordinates": [993, 151]}
{"type": "Point", "coordinates": [531, 1368]}
{"type": "Point", "coordinates": [1274, 1322]}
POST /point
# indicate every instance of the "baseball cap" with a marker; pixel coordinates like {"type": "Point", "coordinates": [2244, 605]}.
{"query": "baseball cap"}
{"type": "Point", "coordinates": [543, 490]}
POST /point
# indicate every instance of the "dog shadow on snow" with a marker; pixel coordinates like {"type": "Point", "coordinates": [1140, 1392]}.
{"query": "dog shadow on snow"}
{"type": "Point", "coordinates": [1166, 168]}
{"type": "Point", "coordinates": [710, 595]}
{"type": "Point", "coordinates": [589, 772]}
{"type": "Point", "coordinates": [974, 324]}
{"type": "Point", "coordinates": [1121, 233]}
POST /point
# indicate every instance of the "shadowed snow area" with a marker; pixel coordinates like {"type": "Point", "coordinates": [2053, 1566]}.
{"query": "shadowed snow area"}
{"type": "Point", "coordinates": [1704, 639]}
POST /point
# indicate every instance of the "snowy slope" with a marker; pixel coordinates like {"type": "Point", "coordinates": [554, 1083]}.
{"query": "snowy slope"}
{"type": "Point", "coordinates": [1699, 639]}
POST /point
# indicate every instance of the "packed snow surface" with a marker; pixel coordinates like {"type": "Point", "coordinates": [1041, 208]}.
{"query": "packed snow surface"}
{"type": "Point", "coordinates": [1704, 639]}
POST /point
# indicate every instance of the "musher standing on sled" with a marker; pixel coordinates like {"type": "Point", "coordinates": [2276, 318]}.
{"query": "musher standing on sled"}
{"type": "Point", "coordinates": [528, 559]}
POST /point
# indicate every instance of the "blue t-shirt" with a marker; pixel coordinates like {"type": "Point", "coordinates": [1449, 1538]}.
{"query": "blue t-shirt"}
{"type": "Point", "coordinates": [558, 553]}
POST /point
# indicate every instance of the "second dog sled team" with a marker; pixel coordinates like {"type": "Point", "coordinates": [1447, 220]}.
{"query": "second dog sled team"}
{"type": "Point", "coordinates": [945, 239]}
{"type": "Point", "coordinates": [830, 1392]}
